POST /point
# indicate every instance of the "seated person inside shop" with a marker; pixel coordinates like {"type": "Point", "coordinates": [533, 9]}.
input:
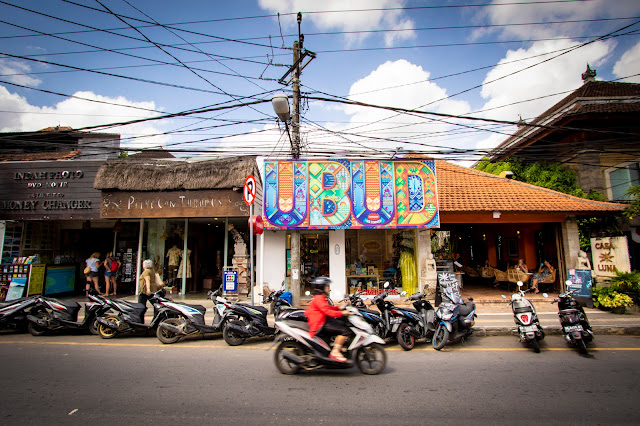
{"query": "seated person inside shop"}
{"type": "Point", "coordinates": [391, 275]}
{"type": "Point", "coordinates": [543, 272]}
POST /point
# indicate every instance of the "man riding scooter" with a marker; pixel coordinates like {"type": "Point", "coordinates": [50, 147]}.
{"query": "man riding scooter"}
{"type": "Point", "coordinates": [322, 317]}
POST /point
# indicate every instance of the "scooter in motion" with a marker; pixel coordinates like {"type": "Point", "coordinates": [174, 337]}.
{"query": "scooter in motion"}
{"type": "Point", "coordinates": [50, 314]}
{"type": "Point", "coordinates": [128, 317]}
{"type": "Point", "coordinates": [188, 320]}
{"type": "Point", "coordinates": [575, 325]}
{"type": "Point", "coordinates": [418, 323]}
{"type": "Point", "coordinates": [298, 350]}
{"type": "Point", "coordinates": [13, 313]}
{"type": "Point", "coordinates": [455, 319]}
{"type": "Point", "coordinates": [526, 318]}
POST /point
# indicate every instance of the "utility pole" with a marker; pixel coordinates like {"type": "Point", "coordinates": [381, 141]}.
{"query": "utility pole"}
{"type": "Point", "coordinates": [295, 154]}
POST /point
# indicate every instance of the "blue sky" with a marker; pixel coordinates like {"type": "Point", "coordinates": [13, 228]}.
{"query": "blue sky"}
{"type": "Point", "coordinates": [395, 53]}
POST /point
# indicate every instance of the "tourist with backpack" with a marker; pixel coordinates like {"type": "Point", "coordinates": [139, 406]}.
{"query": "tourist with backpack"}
{"type": "Point", "coordinates": [111, 270]}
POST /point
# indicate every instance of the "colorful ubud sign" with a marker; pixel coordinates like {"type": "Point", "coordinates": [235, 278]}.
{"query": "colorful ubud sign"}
{"type": "Point", "coordinates": [350, 194]}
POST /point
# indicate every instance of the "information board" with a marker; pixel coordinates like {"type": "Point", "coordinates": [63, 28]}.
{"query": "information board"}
{"type": "Point", "coordinates": [36, 279]}
{"type": "Point", "coordinates": [230, 281]}
{"type": "Point", "coordinates": [60, 279]}
{"type": "Point", "coordinates": [447, 284]}
{"type": "Point", "coordinates": [581, 281]}
{"type": "Point", "coordinates": [16, 288]}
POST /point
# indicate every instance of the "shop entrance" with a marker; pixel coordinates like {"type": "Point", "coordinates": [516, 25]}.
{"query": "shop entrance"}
{"type": "Point", "coordinates": [314, 256]}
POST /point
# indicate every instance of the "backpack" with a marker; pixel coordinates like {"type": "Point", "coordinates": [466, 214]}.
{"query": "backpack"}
{"type": "Point", "coordinates": [114, 265]}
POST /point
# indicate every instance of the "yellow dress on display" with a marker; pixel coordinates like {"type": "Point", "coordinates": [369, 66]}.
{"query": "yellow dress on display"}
{"type": "Point", "coordinates": [181, 267]}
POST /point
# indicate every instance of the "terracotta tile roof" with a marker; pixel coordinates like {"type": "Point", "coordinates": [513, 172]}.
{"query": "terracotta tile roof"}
{"type": "Point", "coordinates": [462, 189]}
{"type": "Point", "coordinates": [39, 156]}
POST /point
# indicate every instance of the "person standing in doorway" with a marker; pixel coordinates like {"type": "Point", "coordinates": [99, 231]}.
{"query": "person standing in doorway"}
{"type": "Point", "coordinates": [147, 282]}
{"type": "Point", "coordinates": [93, 264]}
{"type": "Point", "coordinates": [111, 266]}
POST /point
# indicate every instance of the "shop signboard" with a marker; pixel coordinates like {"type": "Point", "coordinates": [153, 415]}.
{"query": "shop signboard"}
{"type": "Point", "coordinates": [230, 281]}
{"type": "Point", "coordinates": [580, 280]}
{"type": "Point", "coordinates": [350, 194]}
{"type": "Point", "coordinates": [610, 254]}
{"type": "Point", "coordinates": [60, 279]}
{"type": "Point", "coordinates": [447, 284]}
{"type": "Point", "coordinates": [49, 190]}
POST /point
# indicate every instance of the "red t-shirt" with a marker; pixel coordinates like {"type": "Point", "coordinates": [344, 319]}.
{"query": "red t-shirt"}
{"type": "Point", "coordinates": [317, 312]}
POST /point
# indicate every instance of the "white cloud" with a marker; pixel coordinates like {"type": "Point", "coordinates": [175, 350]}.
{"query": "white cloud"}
{"type": "Point", "coordinates": [348, 21]}
{"type": "Point", "coordinates": [14, 71]}
{"type": "Point", "coordinates": [629, 64]}
{"type": "Point", "coordinates": [570, 11]}
{"type": "Point", "coordinates": [557, 77]}
{"type": "Point", "coordinates": [20, 116]}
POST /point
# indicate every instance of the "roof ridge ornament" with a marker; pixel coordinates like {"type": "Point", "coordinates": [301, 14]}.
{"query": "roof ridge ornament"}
{"type": "Point", "coordinates": [589, 75]}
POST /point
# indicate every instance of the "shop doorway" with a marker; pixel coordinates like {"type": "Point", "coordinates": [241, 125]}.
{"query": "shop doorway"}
{"type": "Point", "coordinates": [314, 256]}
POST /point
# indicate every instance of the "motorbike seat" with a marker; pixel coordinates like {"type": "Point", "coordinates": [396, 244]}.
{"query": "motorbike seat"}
{"type": "Point", "coordinates": [369, 311]}
{"type": "Point", "coordinates": [136, 306]}
{"type": "Point", "coordinates": [410, 310]}
{"type": "Point", "coordinates": [522, 309]}
{"type": "Point", "coordinates": [11, 302]}
{"type": "Point", "coordinates": [466, 308]}
{"type": "Point", "coordinates": [302, 325]}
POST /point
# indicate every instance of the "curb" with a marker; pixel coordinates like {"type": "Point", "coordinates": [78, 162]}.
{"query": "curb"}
{"type": "Point", "coordinates": [602, 330]}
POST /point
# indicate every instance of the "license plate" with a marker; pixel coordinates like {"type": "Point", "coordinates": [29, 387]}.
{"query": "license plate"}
{"type": "Point", "coordinates": [571, 328]}
{"type": "Point", "coordinates": [395, 320]}
{"type": "Point", "coordinates": [529, 328]}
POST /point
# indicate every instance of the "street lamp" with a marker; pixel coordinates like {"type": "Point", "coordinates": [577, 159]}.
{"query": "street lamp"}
{"type": "Point", "coordinates": [280, 103]}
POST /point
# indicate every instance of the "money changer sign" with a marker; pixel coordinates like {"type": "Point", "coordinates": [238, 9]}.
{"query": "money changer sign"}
{"type": "Point", "coordinates": [350, 194]}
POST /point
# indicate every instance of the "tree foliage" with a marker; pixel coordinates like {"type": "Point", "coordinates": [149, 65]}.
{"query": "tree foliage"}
{"type": "Point", "coordinates": [558, 178]}
{"type": "Point", "coordinates": [633, 209]}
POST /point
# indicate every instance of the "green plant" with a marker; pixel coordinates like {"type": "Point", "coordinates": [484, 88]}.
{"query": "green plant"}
{"type": "Point", "coordinates": [626, 281]}
{"type": "Point", "coordinates": [608, 297]}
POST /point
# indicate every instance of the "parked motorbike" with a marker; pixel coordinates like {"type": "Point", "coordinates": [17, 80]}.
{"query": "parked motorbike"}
{"type": "Point", "coordinates": [181, 319]}
{"type": "Point", "coordinates": [455, 319]}
{"type": "Point", "coordinates": [50, 314]}
{"type": "Point", "coordinates": [247, 321]}
{"type": "Point", "coordinates": [279, 300]}
{"type": "Point", "coordinates": [374, 318]}
{"type": "Point", "coordinates": [297, 349]}
{"type": "Point", "coordinates": [13, 313]}
{"type": "Point", "coordinates": [526, 318]}
{"type": "Point", "coordinates": [418, 323]}
{"type": "Point", "coordinates": [128, 317]}
{"type": "Point", "coordinates": [575, 325]}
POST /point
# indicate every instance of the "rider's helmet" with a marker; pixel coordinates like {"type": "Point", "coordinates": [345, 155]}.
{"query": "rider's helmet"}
{"type": "Point", "coordinates": [318, 284]}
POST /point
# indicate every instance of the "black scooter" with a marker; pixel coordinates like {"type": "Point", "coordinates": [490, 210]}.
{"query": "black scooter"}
{"type": "Point", "coordinates": [455, 319]}
{"type": "Point", "coordinates": [246, 321]}
{"type": "Point", "coordinates": [128, 317]}
{"type": "Point", "coordinates": [13, 313]}
{"type": "Point", "coordinates": [50, 314]}
{"type": "Point", "coordinates": [182, 320]}
{"type": "Point", "coordinates": [418, 323]}
{"type": "Point", "coordinates": [374, 318]}
{"type": "Point", "coordinates": [575, 325]}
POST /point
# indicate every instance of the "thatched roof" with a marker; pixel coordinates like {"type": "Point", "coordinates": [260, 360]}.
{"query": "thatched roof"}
{"type": "Point", "coordinates": [160, 175]}
{"type": "Point", "coordinates": [152, 153]}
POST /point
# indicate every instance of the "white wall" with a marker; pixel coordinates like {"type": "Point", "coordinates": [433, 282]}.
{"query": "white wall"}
{"type": "Point", "coordinates": [275, 248]}
{"type": "Point", "coordinates": [337, 264]}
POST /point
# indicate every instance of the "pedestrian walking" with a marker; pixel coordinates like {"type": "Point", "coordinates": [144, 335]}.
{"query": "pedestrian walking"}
{"type": "Point", "coordinates": [147, 282]}
{"type": "Point", "coordinates": [91, 271]}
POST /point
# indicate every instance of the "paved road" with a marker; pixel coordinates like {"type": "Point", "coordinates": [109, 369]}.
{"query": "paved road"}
{"type": "Point", "coordinates": [492, 380]}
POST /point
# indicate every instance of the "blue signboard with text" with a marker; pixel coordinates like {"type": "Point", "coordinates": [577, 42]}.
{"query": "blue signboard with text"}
{"type": "Point", "coordinates": [582, 282]}
{"type": "Point", "coordinates": [230, 281]}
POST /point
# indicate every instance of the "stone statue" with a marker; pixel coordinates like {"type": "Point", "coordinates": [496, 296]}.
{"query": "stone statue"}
{"type": "Point", "coordinates": [583, 261]}
{"type": "Point", "coordinates": [239, 246]}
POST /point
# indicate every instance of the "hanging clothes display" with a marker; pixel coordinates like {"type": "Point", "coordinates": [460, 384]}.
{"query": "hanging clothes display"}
{"type": "Point", "coordinates": [181, 267]}
{"type": "Point", "coordinates": [409, 273]}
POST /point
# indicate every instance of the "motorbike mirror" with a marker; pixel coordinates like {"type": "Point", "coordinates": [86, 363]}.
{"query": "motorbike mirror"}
{"type": "Point", "coordinates": [386, 285]}
{"type": "Point", "coordinates": [404, 293]}
{"type": "Point", "coordinates": [568, 283]}
{"type": "Point", "coordinates": [520, 283]}
{"type": "Point", "coordinates": [307, 293]}
{"type": "Point", "coordinates": [503, 296]}
{"type": "Point", "coordinates": [545, 295]}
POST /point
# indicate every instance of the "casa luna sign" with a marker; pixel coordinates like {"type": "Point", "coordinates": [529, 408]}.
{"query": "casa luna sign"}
{"type": "Point", "coordinates": [350, 194]}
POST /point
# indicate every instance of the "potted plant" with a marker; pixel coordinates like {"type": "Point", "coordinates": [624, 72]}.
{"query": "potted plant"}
{"type": "Point", "coordinates": [607, 298]}
{"type": "Point", "coordinates": [627, 283]}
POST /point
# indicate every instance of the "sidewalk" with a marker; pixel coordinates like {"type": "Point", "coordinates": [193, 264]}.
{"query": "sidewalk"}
{"type": "Point", "coordinates": [494, 315]}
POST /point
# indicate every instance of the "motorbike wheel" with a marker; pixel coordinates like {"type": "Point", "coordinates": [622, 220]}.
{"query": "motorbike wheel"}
{"type": "Point", "coordinates": [231, 337]}
{"type": "Point", "coordinates": [35, 329]}
{"type": "Point", "coordinates": [405, 339]}
{"type": "Point", "coordinates": [535, 345]}
{"type": "Point", "coordinates": [440, 338]}
{"type": "Point", "coordinates": [371, 359]}
{"type": "Point", "coordinates": [106, 332]}
{"type": "Point", "coordinates": [582, 347]}
{"type": "Point", "coordinates": [93, 327]}
{"type": "Point", "coordinates": [284, 365]}
{"type": "Point", "coordinates": [165, 336]}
